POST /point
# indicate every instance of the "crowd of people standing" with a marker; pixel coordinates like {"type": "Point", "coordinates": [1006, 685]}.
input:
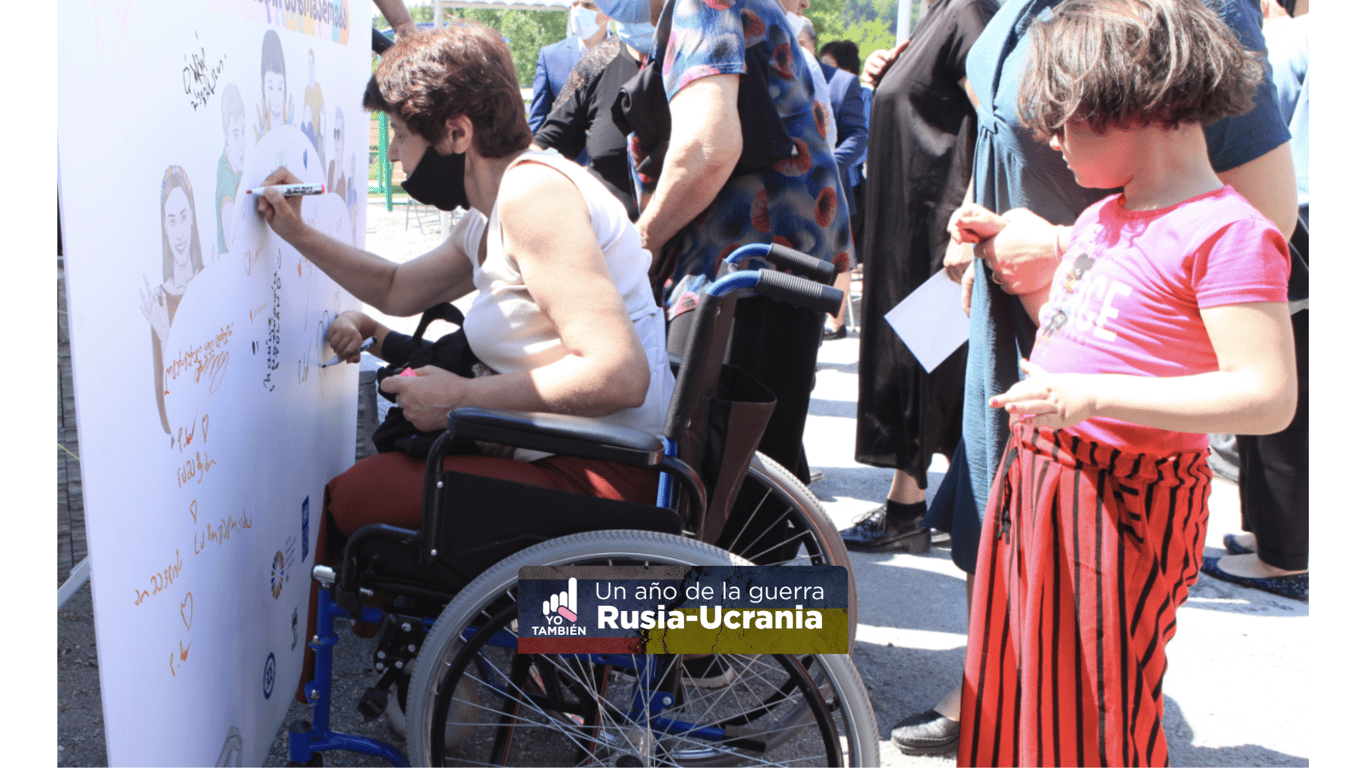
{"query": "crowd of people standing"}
{"type": "Point", "coordinates": [1120, 188]}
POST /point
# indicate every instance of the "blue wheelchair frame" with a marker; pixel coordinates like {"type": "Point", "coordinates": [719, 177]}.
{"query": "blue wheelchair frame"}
{"type": "Point", "coordinates": [308, 740]}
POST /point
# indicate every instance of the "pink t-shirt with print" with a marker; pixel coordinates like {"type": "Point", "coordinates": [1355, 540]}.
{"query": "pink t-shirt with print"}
{"type": "Point", "coordinates": [1128, 293]}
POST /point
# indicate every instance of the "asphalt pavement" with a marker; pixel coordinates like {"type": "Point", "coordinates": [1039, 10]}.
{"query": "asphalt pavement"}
{"type": "Point", "coordinates": [1238, 667]}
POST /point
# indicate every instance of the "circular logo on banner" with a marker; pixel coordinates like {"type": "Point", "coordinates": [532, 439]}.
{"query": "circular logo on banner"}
{"type": "Point", "coordinates": [268, 679]}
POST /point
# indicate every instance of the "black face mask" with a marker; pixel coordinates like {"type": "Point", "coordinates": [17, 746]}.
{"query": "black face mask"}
{"type": "Point", "coordinates": [438, 180]}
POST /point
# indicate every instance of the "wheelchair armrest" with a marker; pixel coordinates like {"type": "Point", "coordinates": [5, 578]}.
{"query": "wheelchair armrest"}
{"type": "Point", "coordinates": [558, 434]}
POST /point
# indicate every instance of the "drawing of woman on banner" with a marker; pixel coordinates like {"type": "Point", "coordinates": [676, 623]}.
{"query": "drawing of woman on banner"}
{"type": "Point", "coordinates": [277, 107]}
{"type": "Point", "coordinates": [181, 260]}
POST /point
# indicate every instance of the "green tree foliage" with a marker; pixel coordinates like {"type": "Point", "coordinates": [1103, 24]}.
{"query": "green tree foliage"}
{"type": "Point", "coordinates": [525, 32]}
{"type": "Point", "coordinates": [869, 23]}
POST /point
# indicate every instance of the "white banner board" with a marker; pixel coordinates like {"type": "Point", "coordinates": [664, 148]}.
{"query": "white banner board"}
{"type": "Point", "coordinates": [207, 426]}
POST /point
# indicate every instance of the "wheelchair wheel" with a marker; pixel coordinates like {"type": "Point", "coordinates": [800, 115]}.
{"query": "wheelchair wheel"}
{"type": "Point", "coordinates": [778, 521]}
{"type": "Point", "coordinates": [590, 709]}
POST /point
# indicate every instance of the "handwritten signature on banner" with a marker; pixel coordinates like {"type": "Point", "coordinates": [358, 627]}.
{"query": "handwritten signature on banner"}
{"type": "Point", "coordinates": [161, 580]}
{"type": "Point", "coordinates": [185, 436]}
{"type": "Point", "coordinates": [273, 338]}
{"type": "Point", "coordinates": [200, 78]}
{"type": "Point", "coordinates": [221, 533]}
{"type": "Point", "coordinates": [193, 468]}
{"type": "Point", "coordinates": [209, 357]}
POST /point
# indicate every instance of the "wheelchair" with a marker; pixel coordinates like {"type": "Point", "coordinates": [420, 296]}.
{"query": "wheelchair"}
{"type": "Point", "coordinates": [472, 699]}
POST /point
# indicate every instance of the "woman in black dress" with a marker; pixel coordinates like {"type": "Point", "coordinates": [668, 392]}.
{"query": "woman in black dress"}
{"type": "Point", "coordinates": [920, 145]}
{"type": "Point", "coordinates": [920, 141]}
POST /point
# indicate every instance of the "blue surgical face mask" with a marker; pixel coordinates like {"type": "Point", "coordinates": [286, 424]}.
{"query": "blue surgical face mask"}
{"type": "Point", "coordinates": [638, 36]}
{"type": "Point", "coordinates": [627, 11]}
{"type": "Point", "coordinates": [583, 23]}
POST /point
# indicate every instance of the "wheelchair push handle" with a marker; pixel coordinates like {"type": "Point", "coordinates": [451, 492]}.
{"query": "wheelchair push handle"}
{"type": "Point", "coordinates": [786, 259]}
{"type": "Point", "coordinates": [799, 292]}
{"type": "Point", "coordinates": [794, 261]}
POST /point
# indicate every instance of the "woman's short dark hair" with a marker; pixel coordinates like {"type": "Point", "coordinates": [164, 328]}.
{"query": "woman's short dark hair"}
{"type": "Point", "coordinates": [461, 69]}
{"type": "Point", "coordinates": [1133, 63]}
{"type": "Point", "coordinates": [845, 54]}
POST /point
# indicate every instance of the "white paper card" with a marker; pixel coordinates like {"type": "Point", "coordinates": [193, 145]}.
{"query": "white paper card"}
{"type": "Point", "coordinates": [930, 321]}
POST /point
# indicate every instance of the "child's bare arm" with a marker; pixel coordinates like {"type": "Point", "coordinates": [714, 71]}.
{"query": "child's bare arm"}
{"type": "Point", "coordinates": [350, 329]}
{"type": "Point", "coordinates": [1253, 392]}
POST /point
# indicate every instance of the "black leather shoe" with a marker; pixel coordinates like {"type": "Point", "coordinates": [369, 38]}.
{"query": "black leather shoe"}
{"type": "Point", "coordinates": [926, 733]}
{"type": "Point", "coordinates": [836, 333]}
{"type": "Point", "coordinates": [875, 532]}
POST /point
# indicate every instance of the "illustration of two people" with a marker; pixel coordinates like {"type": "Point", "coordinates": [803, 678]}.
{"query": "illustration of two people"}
{"type": "Point", "coordinates": [276, 109]}
{"type": "Point", "coordinates": [182, 257]}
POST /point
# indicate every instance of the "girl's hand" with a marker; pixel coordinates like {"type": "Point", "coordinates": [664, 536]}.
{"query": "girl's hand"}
{"type": "Point", "coordinates": [427, 396]}
{"type": "Point", "coordinates": [973, 223]}
{"type": "Point", "coordinates": [283, 214]}
{"type": "Point", "coordinates": [958, 259]}
{"type": "Point", "coordinates": [345, 335]}
{"type": "Point", "coordinates": [1049, 400]}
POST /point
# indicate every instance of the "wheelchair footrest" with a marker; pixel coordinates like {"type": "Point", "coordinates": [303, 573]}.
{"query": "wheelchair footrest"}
{"type": "Point", "coordinates": [373, 702]}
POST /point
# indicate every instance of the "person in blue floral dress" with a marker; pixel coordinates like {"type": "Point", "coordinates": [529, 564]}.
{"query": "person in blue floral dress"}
{"type": "Point", "coordinates": [796, 202]}
{"type": "Point", "coordinates": [697, 211]}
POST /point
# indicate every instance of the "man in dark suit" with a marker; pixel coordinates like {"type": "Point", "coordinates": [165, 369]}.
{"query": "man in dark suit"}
{"type": "Point", "coordinates": [851, 131]}
{"type": "Point", "coordinates": [555, 60]}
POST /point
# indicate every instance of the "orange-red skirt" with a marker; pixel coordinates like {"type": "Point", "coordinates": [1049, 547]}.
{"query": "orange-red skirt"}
{"type": "Point", "coordinates": [1085, 555]}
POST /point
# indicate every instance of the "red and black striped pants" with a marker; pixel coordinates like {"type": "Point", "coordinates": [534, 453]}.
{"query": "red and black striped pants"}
{"type": "Point", "coordinates": [1085, 555]}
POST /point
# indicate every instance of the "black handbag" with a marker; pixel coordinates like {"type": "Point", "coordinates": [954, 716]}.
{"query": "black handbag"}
{"type": "Point", "coordinates": [1297, 291]}
{"type": "Point", "coordinates": [643, 108]}
{"type": "Point", "coordinates": [451, 352]}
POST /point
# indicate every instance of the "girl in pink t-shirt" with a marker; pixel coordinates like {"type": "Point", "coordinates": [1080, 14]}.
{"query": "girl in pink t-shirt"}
{"type": "Point", "coordinates": [1166, 320]}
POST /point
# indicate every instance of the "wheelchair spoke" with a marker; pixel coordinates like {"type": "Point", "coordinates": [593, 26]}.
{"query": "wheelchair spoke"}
{"type": "Point", "coordinates": [740, 534]}
{"type": "Point", "coordinates": [798, 537]}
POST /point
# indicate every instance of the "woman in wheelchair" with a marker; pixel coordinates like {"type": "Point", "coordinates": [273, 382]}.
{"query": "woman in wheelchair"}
{"type": "Point", "coordinates": [563, 313]}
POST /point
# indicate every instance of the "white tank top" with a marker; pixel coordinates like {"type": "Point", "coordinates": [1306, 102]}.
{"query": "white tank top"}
{"type": "Point", "coordinates": [510, 333]}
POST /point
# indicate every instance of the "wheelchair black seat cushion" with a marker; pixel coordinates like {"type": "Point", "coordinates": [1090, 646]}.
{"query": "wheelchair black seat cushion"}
{"type": "Point", "coordinates": [558, 433]}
